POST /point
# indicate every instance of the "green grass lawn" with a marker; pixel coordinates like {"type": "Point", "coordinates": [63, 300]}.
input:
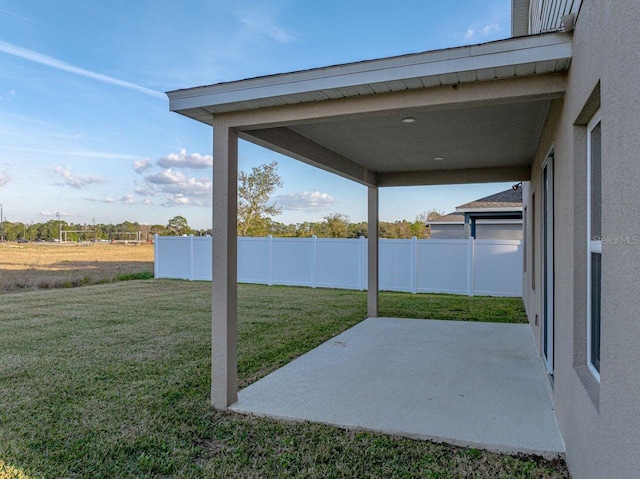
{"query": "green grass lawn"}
{"type": "Point", "coordinates": [113, 381]}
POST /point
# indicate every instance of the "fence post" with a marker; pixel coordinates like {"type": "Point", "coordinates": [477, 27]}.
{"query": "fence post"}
{"type": "Point", "coordinates": [414, 264]}
{"type": "Point", "coordinates": [155, 256]}
{"type": "Point", "coordinates": [314, 280]}
{"type": "Point", "coordinates": [471, 270]}
{"type": "Point", "coordinates": [191, 258]}
{"type": "Point", "coordinates": [363, 256]}
{"type": "Point", "coordinates": [270, 241]}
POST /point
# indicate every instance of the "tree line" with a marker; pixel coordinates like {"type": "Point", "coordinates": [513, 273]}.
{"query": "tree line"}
{"type": "Point", "coordinates": [54, 230]}
{"type": "Point", "coordinates": [335, 225]}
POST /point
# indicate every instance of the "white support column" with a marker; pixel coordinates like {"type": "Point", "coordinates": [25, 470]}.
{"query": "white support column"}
{"type": "Point", "coordinates": [224, 317]}
{"type": "Point", "coordinates": [372, 253]}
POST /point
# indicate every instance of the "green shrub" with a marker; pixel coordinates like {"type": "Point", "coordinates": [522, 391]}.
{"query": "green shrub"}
{"type": "Point", "coordinates": [133, 276]}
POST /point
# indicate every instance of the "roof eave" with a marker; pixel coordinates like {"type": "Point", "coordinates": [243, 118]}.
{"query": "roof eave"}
{"type": "Point", "coordinates": [458, 65]}
{"type": "Point", "coordinates": [489, 209]}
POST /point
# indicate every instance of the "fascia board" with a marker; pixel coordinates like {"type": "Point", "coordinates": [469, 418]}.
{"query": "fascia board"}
{"type": "Point", "coordinates": [462, 59]}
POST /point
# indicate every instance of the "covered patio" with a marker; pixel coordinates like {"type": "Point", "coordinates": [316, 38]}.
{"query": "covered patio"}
{"type": "Point", "coordinates": [462, 115]}
{"type": "Point", "coordinates": [470, 384]}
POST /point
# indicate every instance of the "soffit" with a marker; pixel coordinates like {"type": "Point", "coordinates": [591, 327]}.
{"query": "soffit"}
{"type": "Point", "coordinates": [499, 135]}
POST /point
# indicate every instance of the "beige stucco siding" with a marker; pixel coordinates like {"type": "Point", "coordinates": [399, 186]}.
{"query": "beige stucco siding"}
{"type": "Point", "coordinates": [600, 423]}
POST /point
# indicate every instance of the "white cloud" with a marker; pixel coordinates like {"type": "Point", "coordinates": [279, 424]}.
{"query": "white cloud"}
{"type": "Point", "coordinates": [144, 190]}
{"type": "Point", "coordinates": [75, 181]}
{"type": "Point", "coordinates": [126, 199]}
{"type": "Point", "coordinates": [174, 186]}
{"type": "Point", "coordinates": [177, 188]}
{"type": "Point", "coordinates": [179, 199]}
{"type": "Point", "coordinates": [4, 178]}
{"type": "Point", "coordinates": [142, 165]}
{"type": "Point", "coordinates": [182, 160]}
{"type": "Point", "coordinates": [166, 177]}
{"type": "Point", "coordinates": [12, 93]}
{"type": "Point", "coordinates": [146, 201]}
{"type": "Point", "coordinates": [263, 25]}
{"type": "Point", "coordinates": [482, 32]}
{"type": "Point", "coordinates": [64, 66]}
{"type": "Point", "coordinates": [55, 213]}
{"type": "Point", "coordinates": [307, 200]}
{"type": "Point", "coordinates": [190, 187]}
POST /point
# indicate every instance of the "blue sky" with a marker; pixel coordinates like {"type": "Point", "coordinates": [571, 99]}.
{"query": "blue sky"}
{"type": "Point", "coordinates": [85, 127]}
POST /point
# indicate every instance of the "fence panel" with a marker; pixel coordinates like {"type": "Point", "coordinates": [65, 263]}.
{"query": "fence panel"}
{"type": "Point", "coordinates": [396, 258]}
{"type": "Point", "coordinates": [173, 257]}
{"type": "Point", "coordinates": [483, 267]}
{"type": "Point", "coordinates": [202, 264]}
{"type": "Point", "coordinates": [442, 266]}
{"type": "Point", "coordinates": [339, 263]}
{"type": "Point", "coordinates": [293, 261]}
{"type": "Point", "coordinates": [498, 268]}
{"type": "Point", "coordinates": [254, 265]}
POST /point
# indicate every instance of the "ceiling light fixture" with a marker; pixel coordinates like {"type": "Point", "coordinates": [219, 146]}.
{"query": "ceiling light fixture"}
{"type": "Point", "coordinates": [408, 119]}
{"type": "Point", "coordinates": [438, 158]}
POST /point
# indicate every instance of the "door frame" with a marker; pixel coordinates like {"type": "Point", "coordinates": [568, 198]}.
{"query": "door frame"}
{"type": "Point", "coordinates": [547, 276]}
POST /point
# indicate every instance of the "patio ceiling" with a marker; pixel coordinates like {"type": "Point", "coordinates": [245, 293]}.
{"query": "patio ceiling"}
{"type": "Point", "coordinates": [480, 108]}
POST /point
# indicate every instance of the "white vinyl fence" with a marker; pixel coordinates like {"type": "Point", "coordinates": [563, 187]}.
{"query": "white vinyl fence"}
{"type": "Point", "coordinates": [471, 267]}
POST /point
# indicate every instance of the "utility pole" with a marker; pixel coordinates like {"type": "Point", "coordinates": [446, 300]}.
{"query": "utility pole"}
{"type": "Point", "coordinates": [1, 224]}
{"type": "Point", "coordinates": [95, 231]}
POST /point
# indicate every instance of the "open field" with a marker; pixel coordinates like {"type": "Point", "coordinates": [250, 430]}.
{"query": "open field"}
{"type": "Point", "coordinates": [51, 265]}
{"type": "Point", "coordinates": [112, 380]}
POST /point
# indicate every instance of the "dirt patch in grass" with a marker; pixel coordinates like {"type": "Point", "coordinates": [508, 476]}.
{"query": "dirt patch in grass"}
{"type": "Point", "coordinates": [67, 265]}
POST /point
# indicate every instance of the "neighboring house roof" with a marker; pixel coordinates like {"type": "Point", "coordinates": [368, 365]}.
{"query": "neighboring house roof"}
{"type": "Point", "coordinates": [450, 218]}
{"type": "Point", "coordinates": [505, 201]}
{"type": "Point", "coordinates": [506, 198]}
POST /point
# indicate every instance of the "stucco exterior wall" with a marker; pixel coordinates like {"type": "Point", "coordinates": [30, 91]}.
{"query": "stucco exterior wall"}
{"type": "Point", "coordinates": [600, 422]}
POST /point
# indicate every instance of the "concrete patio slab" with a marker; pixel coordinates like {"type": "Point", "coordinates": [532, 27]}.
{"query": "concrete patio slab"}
{"type": "Point", "coordinates": [469, 384]}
